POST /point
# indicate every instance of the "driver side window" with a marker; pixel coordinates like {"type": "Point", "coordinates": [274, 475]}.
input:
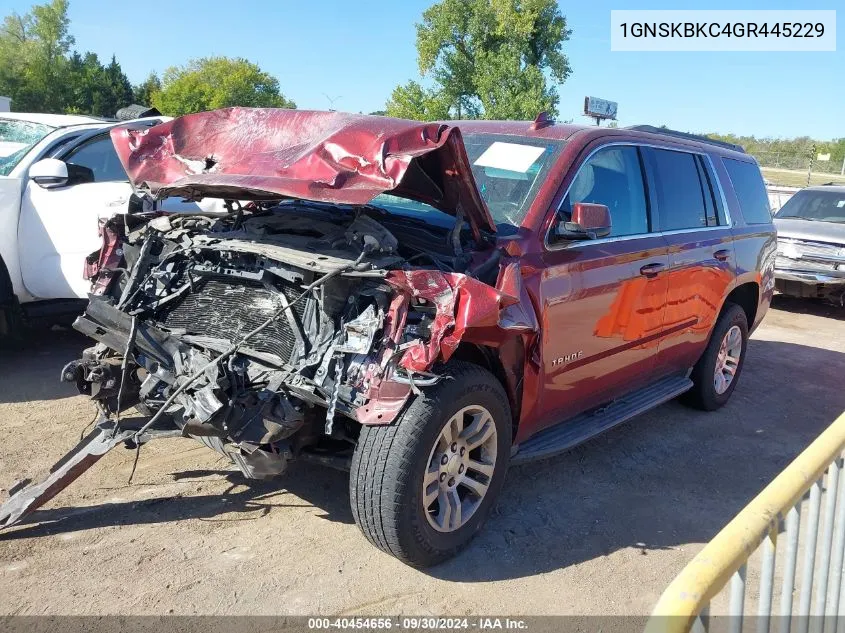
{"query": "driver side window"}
{"type": "Point", "coordinates": [99, 156]}
{"type": "Point", "coordinates": [613, 176]}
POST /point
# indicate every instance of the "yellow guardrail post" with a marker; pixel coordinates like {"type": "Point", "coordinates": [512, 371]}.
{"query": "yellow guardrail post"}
{"type": "Point", "coordinates": [727, 554]}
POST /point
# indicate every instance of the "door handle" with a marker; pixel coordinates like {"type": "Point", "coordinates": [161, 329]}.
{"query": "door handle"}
{"type": "Point", "coordinates": [722, 255]}
{"type": "Point", "coordinates": [652, 270]}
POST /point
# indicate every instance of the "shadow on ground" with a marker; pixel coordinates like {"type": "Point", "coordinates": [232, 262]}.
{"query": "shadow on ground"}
{"type": "Point", "coordinates": [244, 500]}
{"type": "Point", "coordinates": [815, 307]}
{"type": "Point", "coordinates": [671, 477]}
{"type": "Point", "coordinates": [31, 370]}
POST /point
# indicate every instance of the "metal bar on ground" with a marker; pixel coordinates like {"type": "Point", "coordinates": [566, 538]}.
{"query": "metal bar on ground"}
{"type": "Point", "coordinates": [827, 544]}
{"type": "Point", "coordinates": [767, 579]}
{"type": "Point", "coordinates": [805, 597]}
{"type": "Point", "coordinates": [793, 525]}
{"type": "Point", "coordinates": [736, 607]}
{"type": "Point", "coordinates": [835, 580]}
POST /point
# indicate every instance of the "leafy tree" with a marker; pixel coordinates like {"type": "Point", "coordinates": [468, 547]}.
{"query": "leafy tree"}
{"type": "Point", "coordinates": [217, 82]}
{"type": "Point", "coordinates": [118, 86]}
{"type": "Point", "coordinates": [143, 92]}
{"type": "Point", "coordinates": [40, 74]}
{"type": "Point", "coordinates": [487, 58]}
{"type": "Point", "coordinates": [33, 57]}
{"type": "Point", "coordinates": [93, 88]}
{"type": "Point", "coordinates": [412, 101]}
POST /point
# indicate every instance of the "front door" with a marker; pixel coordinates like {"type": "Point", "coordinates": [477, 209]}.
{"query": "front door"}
{"type": "Point", "coordinates": [58, 227]}
{"type": "Point", "coordinates": [602, 300]}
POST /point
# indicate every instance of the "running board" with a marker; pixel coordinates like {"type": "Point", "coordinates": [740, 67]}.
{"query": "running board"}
{"type": "Point", "coordinates": [566, 435]}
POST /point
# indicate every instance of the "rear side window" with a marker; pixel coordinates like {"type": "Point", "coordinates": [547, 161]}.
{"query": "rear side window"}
{"type": "Point", "coordinates": [750, 191]}
{"type": "Point", "coordinates": [680, 192]}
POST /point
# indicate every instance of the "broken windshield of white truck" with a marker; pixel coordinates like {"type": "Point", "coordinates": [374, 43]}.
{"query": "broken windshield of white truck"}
{"type": "Point", "coordinates": [16, 139]}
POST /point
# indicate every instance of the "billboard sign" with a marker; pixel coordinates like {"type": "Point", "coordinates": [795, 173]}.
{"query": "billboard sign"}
{"type": "Point", "coordinates": [600, 108]}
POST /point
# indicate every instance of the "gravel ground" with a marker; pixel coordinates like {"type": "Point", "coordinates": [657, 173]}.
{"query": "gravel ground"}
{"type": "Point", "coordinates": [599, 530]}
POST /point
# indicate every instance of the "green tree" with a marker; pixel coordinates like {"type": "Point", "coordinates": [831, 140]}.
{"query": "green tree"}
{"type": "Point", "coordinates": [217, 82]}
{"type": "Point", "coordinates": [33, 57]}
{"type": "Point", "coordinates": [412, 101]}
{"type": "Point", "coordinates": [487, 58]}
{"type": "Point", "coordinates": [143, 92]}
{"type": "Point", "coordinates": [93, 88]}
{"type": "Point", "coordinates": [118, 88]}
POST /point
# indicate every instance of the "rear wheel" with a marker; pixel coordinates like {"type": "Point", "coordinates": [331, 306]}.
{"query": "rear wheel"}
{"type": "Point", "coordinates": [422, 487]}
{"type": "Point", "coordinates": [716, 373]}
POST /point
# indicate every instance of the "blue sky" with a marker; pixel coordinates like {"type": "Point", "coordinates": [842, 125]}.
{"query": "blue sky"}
{"type": "Point", "coordinates": [357, 52]}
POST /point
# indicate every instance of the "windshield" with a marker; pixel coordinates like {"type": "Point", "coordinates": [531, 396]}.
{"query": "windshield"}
{"type": "Point", "coordinates": [508, 170]}
{"type": "Point", "coordinates": [820, 206]}
{"type": "Point", "coordinates": [16, 139]}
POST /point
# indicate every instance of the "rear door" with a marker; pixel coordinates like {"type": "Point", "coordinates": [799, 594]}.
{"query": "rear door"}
{"type": "Point", "coordinates": [58, 227]}
{"type": "Point", "coordinates": [602, 300]}
{"type": "Point", "coordinates": [693, 219]}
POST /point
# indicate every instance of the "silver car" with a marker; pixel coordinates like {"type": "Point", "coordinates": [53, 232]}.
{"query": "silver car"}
{"type": "Point", "coordinates": [811, 244]}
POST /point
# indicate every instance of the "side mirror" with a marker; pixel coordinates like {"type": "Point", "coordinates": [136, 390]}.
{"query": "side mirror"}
{"type": "Point", "coordinates": [52, 173]}
{"type": "Point", "coordinates": [589, 221]}
{"type": "Point", "coordinates": [49, 173]}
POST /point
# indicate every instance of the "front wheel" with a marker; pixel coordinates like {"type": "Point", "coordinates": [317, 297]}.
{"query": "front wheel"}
{"type": "Point", "coordinates": [423, 486]}
{"type": "Point", "coordinates": [716, 373]}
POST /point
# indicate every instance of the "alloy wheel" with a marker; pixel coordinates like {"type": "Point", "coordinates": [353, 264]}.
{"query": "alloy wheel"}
{"type": "Point", "coordinates": [727, 360]}
{"type": "Point", "coordinates": [460, 468]}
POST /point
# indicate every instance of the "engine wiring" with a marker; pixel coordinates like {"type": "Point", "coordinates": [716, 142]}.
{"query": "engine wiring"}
{"type": "Point", "coordinates": [234, 348]}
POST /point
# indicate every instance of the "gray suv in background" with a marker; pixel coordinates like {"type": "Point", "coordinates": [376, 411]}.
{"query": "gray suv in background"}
{"type": "Point", "coordinates": [811, 244]}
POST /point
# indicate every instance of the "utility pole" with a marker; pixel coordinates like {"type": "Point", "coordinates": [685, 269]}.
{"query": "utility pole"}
{"type": "Point", "coordinates": [810, 168]}
{"type": "Point", "coordinates": [842, 171]}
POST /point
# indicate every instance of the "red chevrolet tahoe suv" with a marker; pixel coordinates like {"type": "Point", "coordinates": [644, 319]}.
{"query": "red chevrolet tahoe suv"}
{"type": "Point", "coordinates": [421, 304]}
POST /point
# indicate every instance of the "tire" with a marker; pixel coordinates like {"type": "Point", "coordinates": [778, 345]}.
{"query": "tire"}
{"type": "Point", "coordinates": [388, 467]}
{"type": "Point", "coordinates": [12, 322]}
{"type": "Point", "coordinates": [705, 395]}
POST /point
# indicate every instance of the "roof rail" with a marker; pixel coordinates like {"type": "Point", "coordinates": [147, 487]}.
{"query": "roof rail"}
{"type": "Point", "coordinates": [686, 135]}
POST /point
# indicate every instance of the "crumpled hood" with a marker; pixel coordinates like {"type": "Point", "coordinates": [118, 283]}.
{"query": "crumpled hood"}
{"type": "Point", "coordinates": [798, 229]}
{"type": "Point", "coordinates": [266, 154]}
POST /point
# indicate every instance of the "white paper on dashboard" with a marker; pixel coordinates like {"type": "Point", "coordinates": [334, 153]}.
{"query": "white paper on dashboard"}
{"type": "Point", "coordinates": [510, 156]}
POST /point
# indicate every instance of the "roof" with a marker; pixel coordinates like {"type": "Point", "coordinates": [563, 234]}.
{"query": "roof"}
{"type": "Point", "coordinates": [53, 120]}
{"type": "Point", "coordinates": [565, 131]}
{"type": "Point", "coordinates": [558, 131]}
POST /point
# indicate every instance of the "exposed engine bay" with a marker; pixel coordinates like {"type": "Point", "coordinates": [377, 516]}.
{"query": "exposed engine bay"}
{"type": "Point", "coordinates": [277, 329]}
{"type": "Point", "coordinates": [264, 332]}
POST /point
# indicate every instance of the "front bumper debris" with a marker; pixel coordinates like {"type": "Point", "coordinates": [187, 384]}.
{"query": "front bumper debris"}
{"type": "Point", "coordinates": [26, 497]}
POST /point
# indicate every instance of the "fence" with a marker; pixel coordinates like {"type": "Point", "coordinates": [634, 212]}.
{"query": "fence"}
{"type": "Point", "coordinates": [800, 162]}
{"type": "Point", "coordinates": [791, 505]}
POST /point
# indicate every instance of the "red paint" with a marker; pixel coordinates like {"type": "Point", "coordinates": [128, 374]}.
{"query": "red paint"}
{"type": "Point", "coordinates": [547, 304]}
{"type": "Point", "coordinates": [101, 266]}
{"type": "Point", "coordinates": [257, 153]}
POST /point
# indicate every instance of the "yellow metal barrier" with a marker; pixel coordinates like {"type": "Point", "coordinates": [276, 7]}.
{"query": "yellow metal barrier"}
{"type": "Point", "coordinates": [724, 559]}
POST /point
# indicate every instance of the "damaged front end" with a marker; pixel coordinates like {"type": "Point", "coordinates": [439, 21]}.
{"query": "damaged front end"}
{"type": "Point", "coordinates": [258, 335]}
{"type": "Point", "coordinates": [275, 331]}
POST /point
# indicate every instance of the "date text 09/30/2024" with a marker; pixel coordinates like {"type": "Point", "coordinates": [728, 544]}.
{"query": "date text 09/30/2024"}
{"type": "Point", "coordinates": [418, 623]}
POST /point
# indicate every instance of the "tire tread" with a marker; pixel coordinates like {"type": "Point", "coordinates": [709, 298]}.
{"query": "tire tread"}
{"type": "Point", "coordinates": [384, 461]}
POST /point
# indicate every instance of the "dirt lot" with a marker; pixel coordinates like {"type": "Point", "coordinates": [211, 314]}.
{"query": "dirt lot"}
{"type": "Point", "coordinates": [601, 529]}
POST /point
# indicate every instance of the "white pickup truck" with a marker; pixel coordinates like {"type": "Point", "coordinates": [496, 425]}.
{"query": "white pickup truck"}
{"type": "Point", "coordinates": [59, 174]}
